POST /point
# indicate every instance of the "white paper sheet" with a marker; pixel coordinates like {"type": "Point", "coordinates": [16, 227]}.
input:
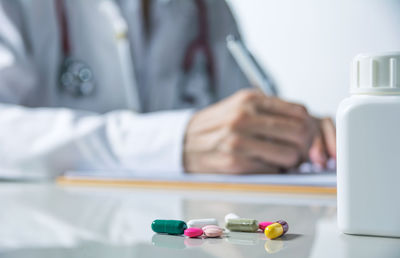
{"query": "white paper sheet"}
{"type": "Point", "coordinates": [324, 178]}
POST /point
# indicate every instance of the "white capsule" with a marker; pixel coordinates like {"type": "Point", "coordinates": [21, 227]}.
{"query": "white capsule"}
{"type": "Point", "coordinates": [231, 216]}
{"type": "Point", "coordinates": [199, 223]}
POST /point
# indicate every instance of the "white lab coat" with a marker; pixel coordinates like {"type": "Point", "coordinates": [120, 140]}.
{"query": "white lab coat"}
{"type": "Point", "coordinates": [135, 119]}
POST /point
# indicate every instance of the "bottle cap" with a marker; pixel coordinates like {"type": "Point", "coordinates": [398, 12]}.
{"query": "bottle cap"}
{"type": "Point", "coordinates": [376, 74]}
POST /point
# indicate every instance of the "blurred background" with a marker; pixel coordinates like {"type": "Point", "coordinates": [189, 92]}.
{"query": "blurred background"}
{"type": "Point", "coordinates": [308, 45]}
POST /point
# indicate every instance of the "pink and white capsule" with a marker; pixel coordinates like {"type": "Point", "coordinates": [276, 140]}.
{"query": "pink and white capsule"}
{"type": "Point", "coordinates": [193, 232]}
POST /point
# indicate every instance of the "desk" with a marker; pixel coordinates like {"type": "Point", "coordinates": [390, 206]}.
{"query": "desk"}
{"type": "Point", "coordinates": [47, 220]}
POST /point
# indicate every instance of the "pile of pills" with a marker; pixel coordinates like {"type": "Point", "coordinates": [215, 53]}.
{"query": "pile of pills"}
{"type": "Point", "coordinates": [271, 230]}
{"type": "Point", "coordinates": [209, 227]}
{"type": "Point", "coordinates": [194, 228]}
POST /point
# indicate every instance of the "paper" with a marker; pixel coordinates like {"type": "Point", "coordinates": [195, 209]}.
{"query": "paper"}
{"type": "Point", "coordinates": [324, 178]}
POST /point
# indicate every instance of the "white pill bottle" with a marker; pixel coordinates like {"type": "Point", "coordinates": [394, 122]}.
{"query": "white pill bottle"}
{"type": "Point", "coordinates": [368, 148]}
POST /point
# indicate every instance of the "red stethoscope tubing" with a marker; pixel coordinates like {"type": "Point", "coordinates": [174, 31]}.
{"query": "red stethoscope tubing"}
{"type": "Point", "coordinates": [201, 44]}
{"type": "Point", "coordinates": [63, 23]}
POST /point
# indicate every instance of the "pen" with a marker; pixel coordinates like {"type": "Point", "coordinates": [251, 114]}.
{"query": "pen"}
{"type": "Point", "coordinates": [248, 66]}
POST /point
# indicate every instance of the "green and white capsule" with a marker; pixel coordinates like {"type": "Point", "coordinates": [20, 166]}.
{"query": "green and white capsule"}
{"type": "Point", "coordinates": [172, 227]}
{"type": "Point", "coordinates": [242, 225]}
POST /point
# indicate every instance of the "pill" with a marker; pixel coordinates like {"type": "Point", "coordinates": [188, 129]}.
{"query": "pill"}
{"type": "Point", "coordinates": [213, 232]}
{"type": "Point", "coordinates": [231, 216]}
{"type": "Point", "coordinates": [211, 226]}
{"type": "Point", "coordinates": [193, 232]}
{"type": "Point", "coordinates": [173, 227]}
{"type": "Point", "coordinates": [276, 229]}
{"type": "Point", "coordinates": [242, 225]}
{"type": "Point", "coordinates": [264, 224]}
{"type": "Point", "coordinates": [199, 223]}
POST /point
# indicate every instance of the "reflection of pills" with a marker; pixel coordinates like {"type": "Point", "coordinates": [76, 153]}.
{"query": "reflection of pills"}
{"type": "Point", "coordinates": [193, 232]}
{"type": "Point", "coordinates": [273, 246]}
{"type": "Point", "coordinates": [193, 242]}
{"type": "Point", "coordinates": [243, 238]}
{"type": "Point", "coordinates": [214, 240]}
{"type": "Point", "coordinates": [168, 241]}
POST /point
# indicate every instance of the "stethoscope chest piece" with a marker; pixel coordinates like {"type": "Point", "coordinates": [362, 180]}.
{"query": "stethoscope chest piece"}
{"type": "Point", "coordinates": [76, 78]}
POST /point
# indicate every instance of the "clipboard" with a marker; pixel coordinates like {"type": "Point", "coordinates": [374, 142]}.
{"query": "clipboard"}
{"type": "Point", "coordinates": [316, 183]}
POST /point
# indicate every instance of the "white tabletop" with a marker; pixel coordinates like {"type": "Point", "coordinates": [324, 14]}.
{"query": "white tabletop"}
{"type": "Point", "coordinates": [46, 220]}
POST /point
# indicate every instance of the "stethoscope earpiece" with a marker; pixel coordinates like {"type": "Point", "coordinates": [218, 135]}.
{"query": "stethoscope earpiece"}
{"type": "Point", "coordinates": [76, 77]}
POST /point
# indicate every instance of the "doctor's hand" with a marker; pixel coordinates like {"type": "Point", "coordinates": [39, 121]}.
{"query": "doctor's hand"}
{"type": "Point", "coordinates": [249, 133]}
{"type": "Point", "coordinates": [324, 144]}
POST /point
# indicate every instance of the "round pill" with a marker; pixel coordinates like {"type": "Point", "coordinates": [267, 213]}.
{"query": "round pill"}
{"type": "Point", "coordinates": [213, 232]}
{"type": "Point", "coordinates": [193, 232]}
{"type": "Point", "coordinates": [173, 227]}
{"type": "Point", "coordinates": [276, 229]}
{"type": "Point", "coordinates": [199, 223]}
{"type": "Point", "coordinates": [211, 226]}
{"type": "Point", "coordinates": [264, 224]}
{"type": "Point", "coordinates": [242, 225]}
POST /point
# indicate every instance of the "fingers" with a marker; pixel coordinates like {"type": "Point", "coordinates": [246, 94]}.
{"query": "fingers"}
{"type": "Point", "coordinates": [276, 154]}
{"type": "Point", "coordinates": [317, 152]}
{"type": "Point", "coordinates": [271, 105]}
{"type": "Point", "coordinates": [328, 132]}
{"type": "Point", "coordinates": [228, 163]}
{"type": "Point", "coordinates": [241, 164]}
{"type": "Point", "coordinates": [324, 145]}
{"type": "Point", "coordinates": [277, 106]}
{"type": "Point", "coordinates": [287, 130]}
{"type": "Point", "coordinates": [247, 133]}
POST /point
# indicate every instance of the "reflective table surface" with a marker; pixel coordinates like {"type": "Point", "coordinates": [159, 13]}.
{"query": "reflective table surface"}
{"type": "Point", "coordinates": [46, 220]}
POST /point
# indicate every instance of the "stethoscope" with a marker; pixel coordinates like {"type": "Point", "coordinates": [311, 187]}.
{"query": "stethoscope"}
{"type": "Point", "coordinates": [75, 76]}
{"type": "Point", "coordinates": [201, 45]}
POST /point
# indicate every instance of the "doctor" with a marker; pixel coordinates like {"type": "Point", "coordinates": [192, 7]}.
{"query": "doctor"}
{"type": "Point", "coordinates": [142, 85]}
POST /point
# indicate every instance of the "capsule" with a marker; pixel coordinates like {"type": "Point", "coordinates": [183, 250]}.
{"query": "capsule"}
{"type": "Point", "coordinates": [231, 216]}
{"type": "Point", "coordinates": [276, 229]}
{"type": "Point", "coordinates": [264, 224]}
{"type": "Point", "coordinates": [193, 232]}
{"type": "Point", "coordinates": [199, 223]}
{"type": "Point", "coordinates": [172, 227]}
{"type": "Point", "coordinates": [242, 225]}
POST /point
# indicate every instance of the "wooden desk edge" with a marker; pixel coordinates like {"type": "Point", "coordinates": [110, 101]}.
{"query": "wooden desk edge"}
{"type": "Point", "coordinates": [198, 186]}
